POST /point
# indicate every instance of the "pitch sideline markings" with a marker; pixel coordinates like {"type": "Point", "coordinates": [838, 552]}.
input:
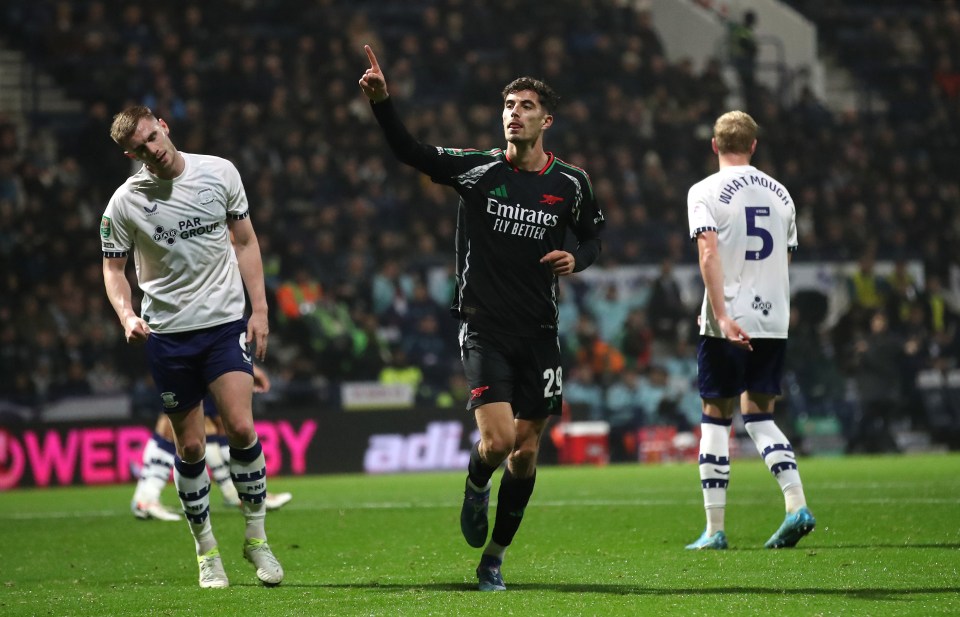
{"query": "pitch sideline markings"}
{"type": "Point", "coordinates": [403, 505]}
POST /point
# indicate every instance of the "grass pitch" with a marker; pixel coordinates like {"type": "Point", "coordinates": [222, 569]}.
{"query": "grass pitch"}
{"type": "Point", "coordinates": [595, 541]}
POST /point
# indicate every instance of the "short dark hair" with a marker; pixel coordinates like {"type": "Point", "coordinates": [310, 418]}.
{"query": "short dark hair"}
{"type": "Point", "coordinates": [549, 99]}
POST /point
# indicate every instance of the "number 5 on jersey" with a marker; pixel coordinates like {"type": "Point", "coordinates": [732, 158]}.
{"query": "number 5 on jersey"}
{"type": "Point", "coordinates": [766, 240]}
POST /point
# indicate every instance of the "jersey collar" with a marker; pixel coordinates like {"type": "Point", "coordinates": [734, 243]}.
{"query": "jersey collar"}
{"type": "Point", "coordinates": [546, 167]}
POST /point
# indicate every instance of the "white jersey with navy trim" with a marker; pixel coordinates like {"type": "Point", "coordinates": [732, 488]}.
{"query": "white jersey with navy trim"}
{"type": "Point", "coordinates": [755, 220]}
{"type": "Point", "coordinates": [177, 229]}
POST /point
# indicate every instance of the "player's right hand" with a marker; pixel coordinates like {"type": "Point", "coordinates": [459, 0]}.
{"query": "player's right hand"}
{"type": "Point", "coordinates": [135, 330]}
{"type": "Point", "coordinates": [734, 333]}
{"type": "Point", "coordinates": [373, 83]}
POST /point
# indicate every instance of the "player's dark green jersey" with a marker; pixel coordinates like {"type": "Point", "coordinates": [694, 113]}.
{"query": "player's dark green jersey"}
{"type": "Point", "coordinates": [508, 220]}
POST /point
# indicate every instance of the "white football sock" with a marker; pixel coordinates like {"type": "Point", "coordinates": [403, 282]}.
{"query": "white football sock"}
{"type": "Point", "coordinates": [158, 458]}
{"type": "Point", "coordinates": [220, 467]}
{"type": "Point", "coordinates": [777, 453]}
{"type": "Point", "coordinates": [249, 471]}
{"type": "Point", "coordinates": [714, 470]}
{"type": "Point", "coordinates": [495, 550]}
{"type": "Point", "coordinates": [193, 486]}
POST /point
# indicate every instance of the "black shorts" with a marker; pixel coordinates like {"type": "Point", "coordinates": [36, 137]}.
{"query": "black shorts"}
{"type": "Point", "coordinates": [524, 372]}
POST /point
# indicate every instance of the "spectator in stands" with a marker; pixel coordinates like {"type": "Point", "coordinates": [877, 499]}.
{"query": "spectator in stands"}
{"type": "Point", "coordinates": [391, 287]}
{"type": "Point", "coordinates": [665, 308]}
{"type": "Point", "coordinates": [605, 361]}
{"type": "Point", "coordinates": [713, 89]}
{"type": "Point", "coordinates": [22, 392]}
{"type": "Point", "coordinates": [399, 370]}
{"type": "Point", "coordinates": [610, 305]}
{"type": "Point", "coordinates": [334, 336]}
{"type": "Point", "coordinates": [644, 29]}
{"type": "Point", "coordinates": [877, 356]}
{"type": "Point", "coordinates": [743, 55]}
{"type": "Point", "coordinates": [427, 349]}
{"type": "Point", "coordinates": [298, 296]}
{"type": "Point", "coordinates": [868, 291]}
{"type": "Point", "coordinates": [680, 362]}
{"type": "Point", "coordinates": [455, 395]}
{"type": "Point", "coordinates": [623, 404]}
{"type": "Point", "coordinates": [655, 397]}
{"type": "Point", "coordinates": [940, 317]}
{"type": "Point", "coordinates": [583, 394]}
{"type": "Point", "coordinates": [637, 340]}
{"type": "Point", "coordinates": [902, 292]}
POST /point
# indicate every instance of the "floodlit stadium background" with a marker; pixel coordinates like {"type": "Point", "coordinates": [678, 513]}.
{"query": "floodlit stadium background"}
{"type": "Point", "coordinates": [858, 104]}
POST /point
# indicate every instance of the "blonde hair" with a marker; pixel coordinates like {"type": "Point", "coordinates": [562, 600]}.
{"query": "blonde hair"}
{"type": "Point", "coordinates": [125, 122]}
{"type": "Point", "coordinates": [735, 132]}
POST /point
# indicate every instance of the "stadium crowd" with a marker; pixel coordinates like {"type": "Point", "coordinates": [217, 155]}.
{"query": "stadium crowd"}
{"type": "Point", "coordinates": [358, 250]}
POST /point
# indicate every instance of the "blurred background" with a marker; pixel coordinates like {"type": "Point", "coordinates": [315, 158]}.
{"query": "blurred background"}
{"type": "Point", "coordinates": [858, 107]}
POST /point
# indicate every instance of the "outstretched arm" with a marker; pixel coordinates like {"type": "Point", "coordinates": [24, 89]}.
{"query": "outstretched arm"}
{"type": "Point", "coordinates": [404, 146]}
{"type": "Point", "coordinates": [712, 271]}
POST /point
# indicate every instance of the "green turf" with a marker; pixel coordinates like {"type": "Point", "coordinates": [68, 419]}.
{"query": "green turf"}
{"type": "Point", "coordinates": [595, 541]}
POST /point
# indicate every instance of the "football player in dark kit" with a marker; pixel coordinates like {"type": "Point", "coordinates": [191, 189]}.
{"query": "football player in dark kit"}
{"type": "Point", "coordinates": [515, 208]}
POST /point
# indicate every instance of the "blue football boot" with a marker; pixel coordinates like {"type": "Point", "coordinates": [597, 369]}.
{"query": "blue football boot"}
{"type": "Point", "coordinates": [473, 515]}
{"type": "Point", "coordinates": [795, 526]}
{"type": "Point", "coordinates": [488, 574]}
{"type": "Point", "coordinates": [718, 541]}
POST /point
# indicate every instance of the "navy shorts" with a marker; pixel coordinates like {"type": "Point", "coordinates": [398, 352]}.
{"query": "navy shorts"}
{"type": "Point", "coordinates": [725, 370]}
{"type": "Point", "coordinates": [210, 407]}
{"type": "Point", "coordinates": [183, 364]}
{"type": "Point", "coordinates": [524, 372]}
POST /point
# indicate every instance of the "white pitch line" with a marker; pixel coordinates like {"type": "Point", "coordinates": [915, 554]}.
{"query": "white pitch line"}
{"type": "Point", "coordinates": [409, 505]}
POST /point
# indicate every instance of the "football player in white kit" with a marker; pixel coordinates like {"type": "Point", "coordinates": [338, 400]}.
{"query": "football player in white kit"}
{"type": "Point", "coordinates": [177, 215]}
{"type": "Point", "coordinates": [744, 224]}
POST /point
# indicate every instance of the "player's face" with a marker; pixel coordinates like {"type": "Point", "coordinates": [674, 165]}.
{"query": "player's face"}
{"type": "Point", "coordinates": [150, 143]}
{"type": "Point", "coordinates": [524, 119]}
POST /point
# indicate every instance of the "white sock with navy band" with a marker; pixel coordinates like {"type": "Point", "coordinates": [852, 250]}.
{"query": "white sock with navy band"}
{"type": "Point", "coordinates": [193, 486]}
{"type": "Point", "coordinates": [248, 469]}
{"type": "Point", "coordinates": [220, 467]}
{"type": "Point", "coordinates": [158, 459]}
{"type": "Point", "coordinates": [714, 469]}
{"type": "Point", "coordinates": [777, 453]}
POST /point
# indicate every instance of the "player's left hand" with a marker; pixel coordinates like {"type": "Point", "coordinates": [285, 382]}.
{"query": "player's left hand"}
{"type": "Point", "coordinates": [257, 331]}
{"type": "Point", "coordinates": [373, 83]}
{"type": "Point", "coordinates": [562, 262]}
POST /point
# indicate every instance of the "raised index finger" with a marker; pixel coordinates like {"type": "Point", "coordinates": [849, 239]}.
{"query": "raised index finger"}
{"type": "Point", "coordinates": [372, 57]}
